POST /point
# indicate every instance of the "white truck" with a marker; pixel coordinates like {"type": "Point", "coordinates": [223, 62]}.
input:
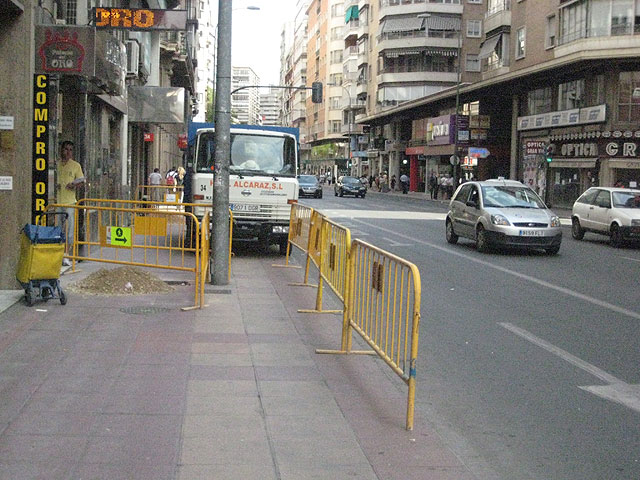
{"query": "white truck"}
{"type": "Point", "coordinates": [263, 181]}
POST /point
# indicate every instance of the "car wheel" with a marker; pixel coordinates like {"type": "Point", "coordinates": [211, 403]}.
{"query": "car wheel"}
{"type": "Point", "coordinates": [616, 236]}
{"type": "Point", "coordinates": [553, 250]}
{"type": "Point", "coordinates": [451, 236]}
{"type": "Point", "coordinates": [577, 231]}
{"type": "Point", "coordinates": [362, 195]}
{"type": "Point", "coordinates": [29, 296]}
{"type": "Point", "coordinates": [482, 242]}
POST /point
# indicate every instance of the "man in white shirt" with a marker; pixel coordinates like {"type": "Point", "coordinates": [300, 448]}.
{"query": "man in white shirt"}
{"type": "Point", "coordinates": [155, 180]}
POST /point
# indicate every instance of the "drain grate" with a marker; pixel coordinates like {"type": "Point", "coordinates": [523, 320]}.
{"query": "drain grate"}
{"type": "Point", "coordinates": [141, 310]}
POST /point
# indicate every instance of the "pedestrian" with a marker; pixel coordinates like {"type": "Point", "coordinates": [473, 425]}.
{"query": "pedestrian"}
{"type": "Point", "coordinates": [155, 180]}
{"type": "Point", "coordinates": [69, 179]}
{"type": "Point", "coordinates": [393, 182]}
{"type": "Point", "coordinates": [433, 186]}
{"type": "Point", "coordinates": [404, 183]}
{"type": "Point", "coordinates": [377, 181]}
{"type": "Point", "coordinates": [171, 175]}
{"type": "Point", "coordinates": [180, 175]}
{"type": "Point", "coordinates": [371, 181]}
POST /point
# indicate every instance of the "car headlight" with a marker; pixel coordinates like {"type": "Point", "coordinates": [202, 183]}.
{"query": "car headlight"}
{"type": "Point", "coordinates": [499, 220]}
{"type": "Point", "coordinates": [555, 221]}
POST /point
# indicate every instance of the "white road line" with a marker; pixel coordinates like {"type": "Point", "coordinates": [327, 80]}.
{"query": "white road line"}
{"type": "Point", "coordinates": [572, 359]}
{"type": "Point", "coordinates": [616, 391]}
{"type": "Point", "coordinates": [522, 276]}
{"type": "Point", "coordinates": [632, 259]}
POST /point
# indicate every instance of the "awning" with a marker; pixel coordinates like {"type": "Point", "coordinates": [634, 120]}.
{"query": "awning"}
{"type": "Point", "coordinates": [406, 24]}
{"type": "Point", "coordinates": [397, 53]}
{"type": "Point", "coordinates": [442, 52]}
{"type": "Point", "coordinates": [352, 13]}
{"type": "Point", "coordinates": [435, 22]}
{"type": "Point", "coordinates": [488, 46]}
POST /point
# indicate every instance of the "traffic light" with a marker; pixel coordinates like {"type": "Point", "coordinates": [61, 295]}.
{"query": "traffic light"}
{"type": "Point", "coordinates": [316, 92]}
{"type": "Point", "coordinates": [548, 152]}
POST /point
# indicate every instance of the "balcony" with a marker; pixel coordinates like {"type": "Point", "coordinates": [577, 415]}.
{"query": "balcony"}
{"type": "Point", "coordinates": [422, 76]}
{"type": "Point", "coordinates": [351, 29]}
{"type": "Point", "coordinates": [361, 88]}
{"type": "Point", "coordinates": [352, 129]}
{"type": "Point", "coordinates": [498, 16]}
{"type": "Point", "coordinates": [420, 7]}
{"type": "Point", "coordinates": [399, 43]}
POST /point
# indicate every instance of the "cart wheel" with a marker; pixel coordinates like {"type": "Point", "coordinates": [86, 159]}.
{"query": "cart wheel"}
{"type": "Point", "coordinates": [63, 298]}
{"type": "Point", "coordinates": [28, 296]}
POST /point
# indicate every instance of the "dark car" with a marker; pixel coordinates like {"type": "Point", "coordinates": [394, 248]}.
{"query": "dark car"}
{"type": "Point", "coordinates": [309, 186]}
{"type": "Point", "coordinates": [347, 185]}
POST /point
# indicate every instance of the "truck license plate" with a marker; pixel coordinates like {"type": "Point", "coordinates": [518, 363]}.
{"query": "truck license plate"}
{"type": "Point", "coordinates": [531, 233]}
{"type": "Point", "coordinates": [244, 207]}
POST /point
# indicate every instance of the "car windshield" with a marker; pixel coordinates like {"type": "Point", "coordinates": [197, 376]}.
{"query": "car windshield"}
{"type": "Point", "coordinates": [510, 197]}
{"type": "Point", "coordinates": [307, 179]}
{"type": "Point", "coordinates": [251, 154]}
{"type": "Point", "coordinates": [351, 181]}
{"type": "Point", "coordinates": [628, 199]}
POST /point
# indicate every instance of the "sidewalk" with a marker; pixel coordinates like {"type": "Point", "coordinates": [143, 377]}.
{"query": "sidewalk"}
{"type": "Point", "coordinates": [133, 388]}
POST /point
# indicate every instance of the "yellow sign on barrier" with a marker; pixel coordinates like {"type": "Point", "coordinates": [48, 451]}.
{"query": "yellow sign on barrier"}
{"type": "Point", "coordinates": [115, 236]}
{"type": "Point", "coordinates": [150, 225]}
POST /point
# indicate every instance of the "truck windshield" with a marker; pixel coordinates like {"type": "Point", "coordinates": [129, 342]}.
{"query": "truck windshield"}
{"type": "Point", "coordinates": [252, 154]}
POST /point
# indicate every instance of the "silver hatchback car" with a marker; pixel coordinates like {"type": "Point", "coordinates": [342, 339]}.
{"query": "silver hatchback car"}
{"type": "Point", "coordinates": [502, 213]}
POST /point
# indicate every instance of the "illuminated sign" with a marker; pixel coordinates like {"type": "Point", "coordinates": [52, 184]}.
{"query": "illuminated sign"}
{"type": "Point", "coordinates": [139, 19]}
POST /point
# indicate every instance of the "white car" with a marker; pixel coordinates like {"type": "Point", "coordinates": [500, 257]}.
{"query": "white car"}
{"type": "Point", "coordinates": [608, 211]}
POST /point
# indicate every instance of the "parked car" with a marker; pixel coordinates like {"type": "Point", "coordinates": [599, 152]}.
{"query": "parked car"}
{"type": "Point", "coordinates": [502, 213]}
{"type": "Point", "coordinates": [608, 211]}
{"type": "Point", "coordinates": [347, 185]}
{"type": "Point", "coordinates": [309, 186]}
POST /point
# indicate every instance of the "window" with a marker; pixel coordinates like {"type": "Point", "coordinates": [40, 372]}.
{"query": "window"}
{"type": "Point", "coordinates": [571, 95]}
{"type": "Point", "coordinates": [336, 126]}
{"type": "Point", "coordinates": [550, 34]}
{"type": "Point", "coordinates": [596, 18]}
{"type": "Point", "coordinates": [334, 103]}
{"type": "Point", "coordinates": [539, 101]}
{"type": "Point", "coordinates": [472, 63]}
{"type": "Point", "coordinates": [520, 42]}
{"type": "Point", "coordinates": [474, 1]}
{"type": "Point", "coordinates": [336, 56]}
{"type": "Point", "coordinates": [628, 108]}
{"type": "Point", "coordinates": [474, 28]}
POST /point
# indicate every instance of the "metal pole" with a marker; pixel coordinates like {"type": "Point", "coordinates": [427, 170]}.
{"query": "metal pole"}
{"type": "Point", "coordinates": [222, 149]}
{"type": "Point", "coordinates": [455, 144]}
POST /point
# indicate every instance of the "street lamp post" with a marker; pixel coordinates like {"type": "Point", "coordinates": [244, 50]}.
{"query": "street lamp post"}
{"type": "Point", "coordinates": [349, 112]}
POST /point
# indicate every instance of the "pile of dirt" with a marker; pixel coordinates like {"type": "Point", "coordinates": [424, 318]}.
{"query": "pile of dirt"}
{"type": "Point", "coordinates": [120, 281]}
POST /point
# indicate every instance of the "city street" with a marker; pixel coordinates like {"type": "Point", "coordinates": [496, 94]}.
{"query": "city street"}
{"type": "Point", "coordinates": [528, 363]}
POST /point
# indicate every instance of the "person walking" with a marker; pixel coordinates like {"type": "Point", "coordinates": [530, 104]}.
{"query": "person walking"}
{"type": "Point", "coordinates": [69, 179]}
{"type": "Point", "coordinates": [433, 186]}
{"type": "Point", "coordinates": [404, 183]}
{"type": "Point", "coordinates": [393, 182]}
{"type": "Point", "coordinates": [171, 175]}
{"type": "Point", "coordinates": [155, 180]}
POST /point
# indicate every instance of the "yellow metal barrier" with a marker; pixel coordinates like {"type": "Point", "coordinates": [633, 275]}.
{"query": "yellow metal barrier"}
{"type": "Point", "coordinates": [330, 243]}
{"type": "Point", "coordinates": [140, 237]}
{"type": "Point", "coordinates": [383, 306]}
{"type": "Point", "coordinates": [159, 193]}
{"type": "Point", "coordinates": [299, 220]}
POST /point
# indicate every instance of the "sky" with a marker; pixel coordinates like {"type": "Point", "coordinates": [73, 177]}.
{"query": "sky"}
{"type": "Point", "coordinates": [256, 36]}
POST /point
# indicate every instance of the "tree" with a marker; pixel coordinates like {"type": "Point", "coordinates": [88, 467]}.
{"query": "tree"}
{"type": "Point", "coordinates": [209, 105]}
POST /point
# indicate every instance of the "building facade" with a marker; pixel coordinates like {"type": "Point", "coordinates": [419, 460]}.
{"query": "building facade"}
{"type": "Point", "coordinates": [245, 103]}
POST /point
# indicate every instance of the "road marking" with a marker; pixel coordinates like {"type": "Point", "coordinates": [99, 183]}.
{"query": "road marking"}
{"type": "Point", "coordinates": [522, 276]}
{"type": "Point", "coordinates": [616, 390]}
{"type": "Point", "coordinates": [632, 259]}
{"type": "Point", "coordinates": [384, 214]}
{"type": "Point", "coordinates": [393, 243]}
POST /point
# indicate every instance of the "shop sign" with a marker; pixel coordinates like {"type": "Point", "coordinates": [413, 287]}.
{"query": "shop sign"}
{"type": "Point", "coordinates": [182, 141]}
{"type": "Point", "coordinates": [576, 116]}
{"type": "Point", "coordinates": [63, 50]}
{"type": "Point", "coordinates": [534, 147]}
{"type": "Point", "coordinates": [477, 134]}
{"type": "Point", "coordinates": [141, 19]}
{"type": "Point", "coordinates": [480, 121]}
{"type": "Point", "coordinates": [148, 137]}
{"type": "Point", "coordinates": [40, 146]}
{"type": "Point", "coordinates": [600, 147]}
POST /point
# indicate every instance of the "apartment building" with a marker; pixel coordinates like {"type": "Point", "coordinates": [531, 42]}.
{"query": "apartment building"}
{"type": "Point", "coordinates": [245, 104]}
{"type": "Point", "coordinates": [270, 107]}
{"type": "Point", "coordinates": [532, 74]}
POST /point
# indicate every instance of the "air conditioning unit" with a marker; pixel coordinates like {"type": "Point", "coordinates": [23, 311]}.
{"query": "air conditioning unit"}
{"type": "Point", "coordinates": [133, 58]}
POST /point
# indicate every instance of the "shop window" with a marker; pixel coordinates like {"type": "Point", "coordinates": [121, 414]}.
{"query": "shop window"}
{"type": "Point", "coordinates": [571, 95]}
{"type": "Point", "coordinates": [628, 105]}
{"type": "Point", "coordinates": [539, 101]}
